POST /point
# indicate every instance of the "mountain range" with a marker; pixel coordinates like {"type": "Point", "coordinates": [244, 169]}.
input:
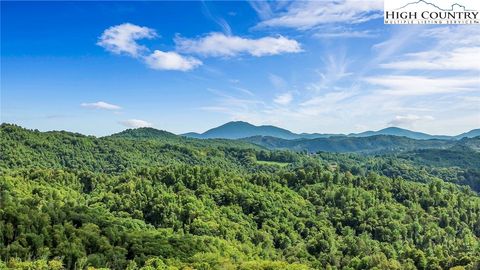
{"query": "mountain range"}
{"type": "Point", "coordinates": [240, 129]}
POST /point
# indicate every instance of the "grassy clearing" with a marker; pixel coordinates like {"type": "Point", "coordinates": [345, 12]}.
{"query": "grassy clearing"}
{"type": "Point", "coordinates": [273, 163]}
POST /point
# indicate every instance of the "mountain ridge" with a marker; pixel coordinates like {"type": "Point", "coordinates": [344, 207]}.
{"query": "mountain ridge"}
{"type": "Point", "coordinates": [240, 130]}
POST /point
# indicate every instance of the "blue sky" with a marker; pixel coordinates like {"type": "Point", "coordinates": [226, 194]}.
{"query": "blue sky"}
{"type": "Point", "coordinates": [329, 67]}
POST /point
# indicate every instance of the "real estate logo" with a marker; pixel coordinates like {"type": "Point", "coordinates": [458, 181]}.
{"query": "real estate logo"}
{"type": "Point", "coordinates": [431, 11]}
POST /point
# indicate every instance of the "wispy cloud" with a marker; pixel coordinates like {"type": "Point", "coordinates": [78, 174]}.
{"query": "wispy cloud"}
{"type": "Point", "coordinates": [219, 21]}
{"type": "Point", "coordinates": [244, 90]}
{"type": "Point", "coordinates": [101, 105]}
{"type": "Point", "coordinates": [221, 45]}
{"type": "Point", "coordinates": [464, 58]}
{"type": "Point", "coordinates": [283, 99]}
{"type": "Point", "coordinates": [237, 108]}
{"type": "Point", "coordinates": [135, 123]}
{"type": "Point", "coordinates": [304, 15]}
{"type": "Point", "coordinates": [405, 85]}
{"type": "Point", "coordinates": [453, 48]}
{"type": "Point", "coordinates": [345, 33]}
{"type": "Point", "coordinates": [461, 59]}
{"type": "Point", "coordinates": [334, 70]}
{"type": "Point", "coordinates": [262, 8]}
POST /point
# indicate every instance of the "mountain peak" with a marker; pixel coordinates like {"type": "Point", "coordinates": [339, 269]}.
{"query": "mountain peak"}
{"type": "Point", "coordinates": [393, 129]}
{"type": "Point", "coordinates": [241, 129]}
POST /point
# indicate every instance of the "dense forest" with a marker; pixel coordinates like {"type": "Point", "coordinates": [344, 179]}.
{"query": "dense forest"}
{"type": "Point", "coordinates": [149, 199]}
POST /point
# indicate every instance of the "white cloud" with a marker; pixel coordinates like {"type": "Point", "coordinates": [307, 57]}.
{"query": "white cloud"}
{"type": "Point", "coordinates": [452, 48]}
{"type": "Point", "coordinates": [122, 39]}
{"type": "Point", "coordinates": [309, 14]}
{"type": "Point", "coordinates": [218, 44]}
{"type": "Point", "coordinates": [345, 34]}
{"type": "Point", "coordinates": [101, 105]}
{"type": "Point", "coordinates": [420, 85]}
{"type": "Point", "coordinates": [409, 120]}
{"type": "Point", "coordinates": [283, 99]}
{"type": "Point", "coordinates": [464, 58]}
{"type": "Point", "coordinates": [449, 48]}
{"type": "Point", "coordinates": [171, 61]}
{"type": "Point", "coordinates": [135, 123]}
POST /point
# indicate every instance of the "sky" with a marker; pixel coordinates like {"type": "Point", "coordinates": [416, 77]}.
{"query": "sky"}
{"type": "Point", "coordinates": [327, 66]}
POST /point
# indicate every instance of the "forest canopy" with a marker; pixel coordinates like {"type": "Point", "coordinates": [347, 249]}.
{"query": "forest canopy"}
{"type": "Point", "coordinates": [148, 200]}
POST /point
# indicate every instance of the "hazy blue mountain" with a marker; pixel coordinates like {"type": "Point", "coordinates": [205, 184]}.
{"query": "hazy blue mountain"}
{"type": "Point", "coordinates": [341, 144]}
{"type": "Point", "coordinates": [395, 131]}
{"type": "Point", "coordinates": [239, 129]}
{"type": "Point", "coordinates": [193, 135]}
{"type": "Point", "coordinates": [472, 133]}
{"type": "Point", "coordinates": [319, 135]}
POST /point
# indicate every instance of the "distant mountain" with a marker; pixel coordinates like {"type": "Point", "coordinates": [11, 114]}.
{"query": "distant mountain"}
{"type": "Point", "coordinates": [239, 129]}
{"type": "Point", "coordinates": [368, 144]}
{"type": "Point", "coordinates": [395, 131]}
{"type": "Point", "coordinates": [472, 133]}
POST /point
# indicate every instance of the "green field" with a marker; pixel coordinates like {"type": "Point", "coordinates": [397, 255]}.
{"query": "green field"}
{"type": "Point", "coordinates": [273, 163]}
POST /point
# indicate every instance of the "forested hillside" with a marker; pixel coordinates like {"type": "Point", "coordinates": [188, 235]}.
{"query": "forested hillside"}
{"type": "Point", "coordinates": [145, 199]}
{"type": "Point", "coordinates": [341, 144]}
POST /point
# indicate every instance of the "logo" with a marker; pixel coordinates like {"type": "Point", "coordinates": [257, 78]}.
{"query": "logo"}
{"type": "Point", "coordinates": [432, 12]}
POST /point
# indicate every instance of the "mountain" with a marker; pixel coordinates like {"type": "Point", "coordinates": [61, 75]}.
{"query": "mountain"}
{"type": "Point", "coordinates": [471, 134]}
{"type": "Point", "coordinates": [240, 129]}
{"type": "Point", "coordinates": [367, 144]}
{"type": "Point", "coordinates": [395, 131]}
